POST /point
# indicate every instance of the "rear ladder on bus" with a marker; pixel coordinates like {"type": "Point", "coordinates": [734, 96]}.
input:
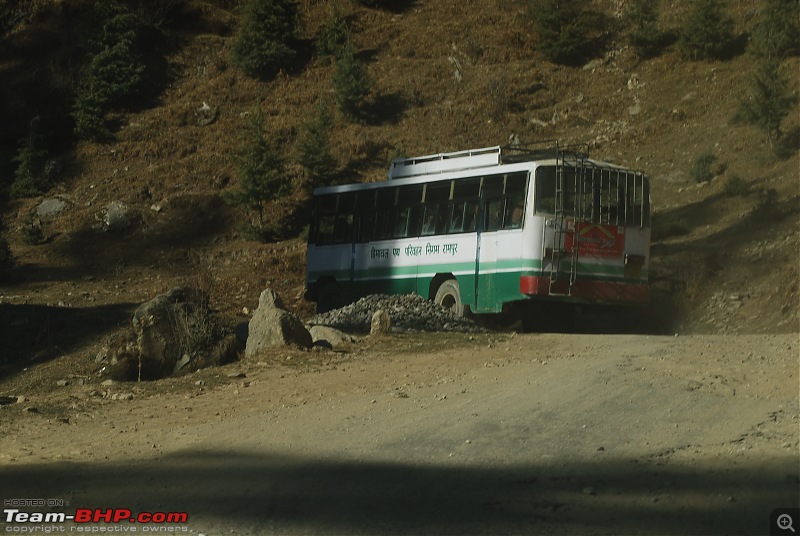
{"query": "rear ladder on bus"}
{"type": "Point", "coordinates": [569, 211]}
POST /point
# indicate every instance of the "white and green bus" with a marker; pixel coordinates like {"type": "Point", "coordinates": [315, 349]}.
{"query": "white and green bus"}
{"type": "Point", "coordinates": [485, 230]}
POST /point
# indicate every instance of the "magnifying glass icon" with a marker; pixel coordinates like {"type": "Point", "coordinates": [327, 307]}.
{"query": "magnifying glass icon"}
{"type": "Point", "coordinates": [785, 522]}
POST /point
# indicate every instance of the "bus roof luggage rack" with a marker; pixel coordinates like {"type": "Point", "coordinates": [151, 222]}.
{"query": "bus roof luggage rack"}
{"type": "Point", "coordinates": [485, 157]}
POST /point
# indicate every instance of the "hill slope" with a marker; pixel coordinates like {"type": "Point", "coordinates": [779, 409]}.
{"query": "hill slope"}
{"type": "Point", "coordinates": [445, 78]}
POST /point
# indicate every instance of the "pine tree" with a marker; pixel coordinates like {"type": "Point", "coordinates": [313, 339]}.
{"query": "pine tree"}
{"type": "Point", "coordinates": [707, 33]}
{"type": "Point", "coordinates": [314, 148]}
{"type": "Point", "coordinates": [352, 85]}
{"type": "Point", "coordinates": [645, 36]}
{"type": "Point", "coordinates": [29, 178]}
{"type": "Point", "coordinates": [262, 176]}
{"type": "Point", "coordinates": [777, 35]}
{"type": "Point", "coordinates": [770, 103]}
{"type": "Point", "coordinates": [334, 35]}
{"type": "Point", "coordinates": [269, 37]}
{"type": "Point", "coordinates": [563, 28]}
{"type": "Point", "coordinates": [113, 72]}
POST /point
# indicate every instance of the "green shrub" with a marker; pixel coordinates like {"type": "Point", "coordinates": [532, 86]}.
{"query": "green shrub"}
{"type": "Point", "coordinates": [113, 73]}
{"type": "Point", "coordinates": [564, 28]}
{"type": "Point", "coordinates": [352, 85]}
{"type": "Point", "coordinates": [644, 35]}
{"type": "Point", "coordinates": [269, 37]}
{"type": "Point", "coordinates": [707, 33]}
{"type": "Point", "coordinates": [314, 147]}
{"type": "Point", "coordinates": [770, 102]}
{"type": "Point", "coordinates": [334, 34]}
{"type": "Point", "coordinates": [777, 36]}
{"type": "Point", "coordinates": [32, 234]}
{"type": "Point", "coordinates": [735, 186]}
{"type": "Point", "coordinates": [30, 177]}
{"type": "Point", "coordinates": [262, 176]}
{"type": "Point", "coordinates": [703, 168]}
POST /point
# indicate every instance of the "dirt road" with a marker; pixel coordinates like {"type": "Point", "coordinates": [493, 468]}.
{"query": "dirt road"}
{"type": "Point", "coordinates": [433, 434]}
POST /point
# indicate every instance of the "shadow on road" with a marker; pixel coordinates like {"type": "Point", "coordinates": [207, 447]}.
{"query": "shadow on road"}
{"type": "Point", "coordinates": [245, 493]}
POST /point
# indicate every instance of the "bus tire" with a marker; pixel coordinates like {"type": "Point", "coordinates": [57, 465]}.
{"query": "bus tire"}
{"type": "Point", "coordinates": [329, 298]}
{"type": "Point", "coordinates": [449, 297]}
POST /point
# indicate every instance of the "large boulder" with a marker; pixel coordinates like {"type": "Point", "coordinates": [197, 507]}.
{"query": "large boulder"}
{"type": "Point", "coordinates": [174, 333]}
{"type": "Point", "coordinates": [167, 328]}
{"type": "Point", "coordinates": [272, 325]}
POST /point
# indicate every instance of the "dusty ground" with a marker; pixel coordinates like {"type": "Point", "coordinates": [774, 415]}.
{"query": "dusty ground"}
{"type": "Point", "coordinates": [500, 433]}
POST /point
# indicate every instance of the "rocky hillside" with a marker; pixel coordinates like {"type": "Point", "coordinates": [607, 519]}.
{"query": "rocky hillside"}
{"type": "Point", "coordinates": [135, 216]}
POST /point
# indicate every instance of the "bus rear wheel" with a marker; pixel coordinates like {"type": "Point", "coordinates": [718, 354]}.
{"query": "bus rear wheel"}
{"type": "Point", "coordinates": [329, 298]}
{"type": "Point", "coordinates": [449, 297]}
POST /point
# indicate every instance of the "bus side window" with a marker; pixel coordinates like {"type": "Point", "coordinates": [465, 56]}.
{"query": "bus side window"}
{"type": "Point", "coordinates": [514, 212]}
{"type": "Point", "coordinates": [387, 224]}
{"type": "Point", "coordinates": [429, 220]}
{"type": "Point", "coordinates": [414, 220]}
{"type": "Point", "coordinates": [545, 199]}
{"type": "Point", "coordinates": [494, 214]}
{"type": "Point", "coordinates": [456, 218]}
{"type": "Point", "coordinates": [325, 230]}
{"type": "Point", "coordinates": [343, 229]}
{"type": "Point", "coordinates": [366, 227]}
{"type": "Point", "coordinates": [442, 213]}
{"type": "Point", "coordinates": [470, 216]}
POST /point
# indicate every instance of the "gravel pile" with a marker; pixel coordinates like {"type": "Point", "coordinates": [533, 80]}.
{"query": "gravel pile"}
{"type": "Point", "coordinates": [408, 312]}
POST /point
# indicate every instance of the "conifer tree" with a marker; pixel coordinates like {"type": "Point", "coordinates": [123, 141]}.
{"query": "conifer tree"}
{"type": "Point", "coordinates": [352, 85]}
{"type": "Point", "coordinates": [777, 35]}
{"type": "Point", "coordinates": [262, 176]}
{"type": "Point", "coordinates": [645, 36]}
{"type": "Point", "coordinates": [334, 35]}
{"type": "Point", "coordinates": [30, 178]}
{"type": "Point", "coordinates": [314, 147]}
{"type": "Point", "coordinates": [113, 72]}
{"type": "Point", "coordinates": [268, 39]}
{"type": "Point", "coordinates": [770, 102]}
{"type": "Point", "coordinates": [708, 31]}
{"type": "Point", "coordinates": [564, 30]}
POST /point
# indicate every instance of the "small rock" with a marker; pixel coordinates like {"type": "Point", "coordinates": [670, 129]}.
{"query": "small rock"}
{"type": "Point", "coordinates": [62, 383]}
{"type": "Point", "coordinates": [50, 207]}
{"type": "Point", "coordinates": [31, 409]}
{"type": "Point", "coordinates": [381, 323]}
{"type": "Point", "coordinates": [184, 360]}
